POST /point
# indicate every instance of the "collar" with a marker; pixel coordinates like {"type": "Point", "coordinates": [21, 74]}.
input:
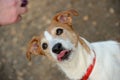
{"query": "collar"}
{"type": "Point", "coordinates": [89, 69]}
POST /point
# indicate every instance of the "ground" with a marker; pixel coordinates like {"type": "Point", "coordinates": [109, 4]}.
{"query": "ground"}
{"type": "Point", "coordinates": [98, 20]}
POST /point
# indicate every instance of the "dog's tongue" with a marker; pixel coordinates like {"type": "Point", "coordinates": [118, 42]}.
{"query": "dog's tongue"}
{"type": "Point", "coordinates": [61, 54]}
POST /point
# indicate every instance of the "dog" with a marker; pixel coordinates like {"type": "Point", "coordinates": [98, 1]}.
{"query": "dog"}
{"type": "Point", "coordinates": [77, 58]}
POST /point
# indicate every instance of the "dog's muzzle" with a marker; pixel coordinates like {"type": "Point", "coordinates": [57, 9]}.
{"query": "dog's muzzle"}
{"type": "Point", "coordinates": [62, 53]}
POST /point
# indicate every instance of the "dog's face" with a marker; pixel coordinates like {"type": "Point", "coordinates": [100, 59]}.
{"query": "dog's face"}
{"type": "Point", "coordinates": [59, 41]}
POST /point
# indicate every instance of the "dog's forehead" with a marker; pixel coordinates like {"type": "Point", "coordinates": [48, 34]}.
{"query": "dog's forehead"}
{"type": "Point", "coordinates": [47, 35]}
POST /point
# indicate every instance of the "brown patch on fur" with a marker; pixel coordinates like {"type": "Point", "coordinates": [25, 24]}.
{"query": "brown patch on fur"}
{"type": "Point", "coordinates": [84, 45]}
{"type": "Point", "coordinates": [34, 48]}
{"type": "Point", "coordinates": [65, 17]}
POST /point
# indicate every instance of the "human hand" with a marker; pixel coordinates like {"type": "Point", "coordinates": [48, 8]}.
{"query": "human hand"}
{"type": "Point", "coordinates": [11, 10]}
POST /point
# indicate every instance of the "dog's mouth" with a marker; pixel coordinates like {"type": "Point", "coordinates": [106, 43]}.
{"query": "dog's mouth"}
{"type": "Point", "coordinates": [63, 55]}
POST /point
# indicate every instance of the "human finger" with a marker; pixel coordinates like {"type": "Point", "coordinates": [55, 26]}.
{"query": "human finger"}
{"type": "Point", "coordinates": [22, 10]}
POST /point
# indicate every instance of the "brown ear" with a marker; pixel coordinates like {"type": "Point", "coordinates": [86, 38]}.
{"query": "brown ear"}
{"type": "Point", "coordinates": [65, 17]}
{"type": "Point", "coordinates": [34, 48]}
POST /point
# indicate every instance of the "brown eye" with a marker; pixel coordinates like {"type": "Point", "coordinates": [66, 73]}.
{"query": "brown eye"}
{"type": "Point", "coordinates": [59, 31]}
{"type": "Point", "coordinates": [44, 46]}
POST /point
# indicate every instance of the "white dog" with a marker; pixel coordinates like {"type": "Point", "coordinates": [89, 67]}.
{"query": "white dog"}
{"type": "Point", "coordinates": [79, 59]}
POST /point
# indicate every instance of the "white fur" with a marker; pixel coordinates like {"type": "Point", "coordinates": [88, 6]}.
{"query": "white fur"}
{"type": "Point", "coordinates": [48, 36]}
{"type": "Point", "coordinates": [107, 66]}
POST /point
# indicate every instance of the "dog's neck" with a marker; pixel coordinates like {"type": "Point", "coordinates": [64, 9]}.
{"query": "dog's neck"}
{"type": "Point", "coordinates": [76, 67]}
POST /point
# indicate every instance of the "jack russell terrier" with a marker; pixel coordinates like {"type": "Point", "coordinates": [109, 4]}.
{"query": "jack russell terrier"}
{"type": "Point", "coordinates": [79, 59]}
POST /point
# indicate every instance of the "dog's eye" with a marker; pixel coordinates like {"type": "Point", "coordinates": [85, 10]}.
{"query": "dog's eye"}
{"type": "Point", "coordinates": [59, 31]}
{"type": "Point", "coordinates": [44, 46]}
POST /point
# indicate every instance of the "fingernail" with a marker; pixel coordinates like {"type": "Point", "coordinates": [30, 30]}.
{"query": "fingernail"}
{"type": "Point", "coordinates": [24, 3]}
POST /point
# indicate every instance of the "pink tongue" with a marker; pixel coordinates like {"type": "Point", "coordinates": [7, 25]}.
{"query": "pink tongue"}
{"type": "Point", "coordinates": [61, 54]}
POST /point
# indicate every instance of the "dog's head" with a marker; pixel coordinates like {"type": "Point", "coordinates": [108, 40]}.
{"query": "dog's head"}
{"type": "Point", "coordinates": [59, 41]}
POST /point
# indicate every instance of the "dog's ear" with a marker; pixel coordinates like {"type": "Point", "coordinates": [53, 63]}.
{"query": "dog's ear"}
{"type": "Point", "coordinates": [65, 17]}
{"type": "Point", "coordinates": [34, 48]}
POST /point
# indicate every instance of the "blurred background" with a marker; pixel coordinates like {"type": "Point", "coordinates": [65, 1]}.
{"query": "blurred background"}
{"type": "Point", "coordinates": [98, 20]}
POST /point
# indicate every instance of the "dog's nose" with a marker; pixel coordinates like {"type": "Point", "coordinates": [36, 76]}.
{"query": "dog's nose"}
{"type": "Point", "coordinates": [57, 48]}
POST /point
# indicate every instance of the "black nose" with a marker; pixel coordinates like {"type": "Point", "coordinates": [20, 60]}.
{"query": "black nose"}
{"type": "Point", "coordinates": [57, 48]}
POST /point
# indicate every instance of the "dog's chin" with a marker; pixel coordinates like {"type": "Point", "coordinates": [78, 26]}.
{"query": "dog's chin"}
{"type": "Point", "coordinates": [64, 55]}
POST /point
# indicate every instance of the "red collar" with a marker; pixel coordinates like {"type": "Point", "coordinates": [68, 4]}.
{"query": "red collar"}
{"type": "Point", "coordinates": [89, 70]}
